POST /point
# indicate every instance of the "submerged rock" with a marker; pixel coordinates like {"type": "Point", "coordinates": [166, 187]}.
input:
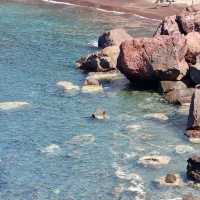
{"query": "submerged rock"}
{"type": "Point", "coordinates": [168, 86]}
{"type": "Point", "coordinates": [52, 149]}
{"type": "Point", "coordinates": [67, 86]}
{"type": "Point", "coordinates": [81, 140]}
{"type": "Point", "coordinates": [106, 76]}
{"type": "Point", "coordinates": [113, 38]}
{"type": "Point", "coordinates": [100, 114]}
{"type": "Point", "coordinates": [153, 59]}
{"type": "Point", "coordinates": [102, 61]}
{"type": "Point", "coordinates": [193, 125]}
{"type": "Point", "coordinates": [170, 180]}
{"type": "Point", "coordinates": [193, 169]}
{"type": "Point", "coordinates": [159, 116]}
{"type": "Point", "coordinates": [91, 85]}
{"type": "Point", "coordinates": [180, 96]}
{"type": "Point", "coordinates": [154, 161]}
{"type": "Point", "coordinates": [190, 197]}
{"type": "Point", "coordinates": [181, 149]}
{"type": "Point", "coordinates": [12, 105]}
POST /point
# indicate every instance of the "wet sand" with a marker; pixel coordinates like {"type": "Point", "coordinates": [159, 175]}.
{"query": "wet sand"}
{"type": "Point", "coordinates": [144, 8]}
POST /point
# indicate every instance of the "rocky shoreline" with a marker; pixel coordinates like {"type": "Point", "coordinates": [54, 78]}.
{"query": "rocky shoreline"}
{"type": "Point", "coordinates": [168, 62]}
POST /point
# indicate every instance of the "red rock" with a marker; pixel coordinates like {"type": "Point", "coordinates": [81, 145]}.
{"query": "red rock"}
{"type": "Point", "coordinates": [193, 125]}
{"type": "Point", "coordinates": [158, 58]}
{"type": "Point", "coordinates": [113, 38]}
{"type": "Point", "coordinates": [189, 21]}
{"type": "Point", "coordinates": [193, 43]}
{"type": "Point", "coordinates": [168, 26]}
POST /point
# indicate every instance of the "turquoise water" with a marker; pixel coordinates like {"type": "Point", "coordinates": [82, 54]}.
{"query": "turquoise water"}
{"type": "Point", "coordinates": [91, 159]}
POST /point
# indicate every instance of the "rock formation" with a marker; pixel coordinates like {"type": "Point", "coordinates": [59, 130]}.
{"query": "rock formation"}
{"type": "Point", "coordinates": [102, 61]}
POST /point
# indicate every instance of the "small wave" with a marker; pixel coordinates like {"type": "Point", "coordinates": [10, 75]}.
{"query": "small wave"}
{"type": "Point", "coordinates": [93, 44]}
{"type": "Point", "coordinates": [110, 11]}
{"type": "Point", "coordinates": [147, 18]}
{"type": "Point", "coordinates": [51, 149]}
{"type": "Point", "coordinates": [59, 2]}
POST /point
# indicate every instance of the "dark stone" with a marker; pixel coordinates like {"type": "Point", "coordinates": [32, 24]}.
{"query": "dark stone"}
{"type": "Point", "coordinates": [170, 178]}
{"type": "Point", "coordinates": [103, 61]}
{"type": "Point", "coordinates": [193, 169]}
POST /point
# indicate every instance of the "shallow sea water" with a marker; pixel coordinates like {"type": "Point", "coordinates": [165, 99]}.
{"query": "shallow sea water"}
{"type": "Point", "coordinates": [51, 149]}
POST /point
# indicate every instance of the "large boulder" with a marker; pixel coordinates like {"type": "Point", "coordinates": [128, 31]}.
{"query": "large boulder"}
{"type": "Point", "coordinates": [168, 26]}
{"type": "Point", "coordinates": [113, 38]}
{"type": "Point", "coordinates": [103, 61]}
{"type": "Point", "coordinates": [193, 43]}
{"type": "Point", "coordinates": [150, 59]}
{"type": "Point", "coordinates": [193, 125]}
{"type": "Point", "coordinates": [193, 169]}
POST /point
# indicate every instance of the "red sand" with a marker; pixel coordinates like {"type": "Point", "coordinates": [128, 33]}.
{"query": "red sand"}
{"type": "Point", "coordinates": [139, 7]}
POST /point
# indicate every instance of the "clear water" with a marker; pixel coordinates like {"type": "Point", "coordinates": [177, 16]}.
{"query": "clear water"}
{"type": "Point", "coordinates": [38, 47]}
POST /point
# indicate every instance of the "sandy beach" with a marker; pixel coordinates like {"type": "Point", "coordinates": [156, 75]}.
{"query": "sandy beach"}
{"type": "Point", "coordinates": [145, 8]}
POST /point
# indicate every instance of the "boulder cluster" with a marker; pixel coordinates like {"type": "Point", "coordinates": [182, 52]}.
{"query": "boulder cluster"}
{"type": "Point", "coordinates": [168, 61]}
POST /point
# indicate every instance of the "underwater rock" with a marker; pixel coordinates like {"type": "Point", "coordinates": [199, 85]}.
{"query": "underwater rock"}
{"type": "Point", "coordinates": [159, 116]}
{"type": "Point", "coordinates": [181, 149]}
{"type": "Point", "coordinates": [92, 88]}
{"type": "Point", "coordinates": [106, 76]}
{"type": "Point", "coordinates": [81, 140]}
{"type": "Point", "coordinates": [67, 86]}
{"type": "Point", "coordinates": [134, 127]}
{"type": "Point", "coordinates": [193, 169]}
{"type": "Point", "coordinates": [180, 96]}
{"type": "Point", "coordinates": [101, 61]}
{"type": "Point", "coordinates": [113, 38]}
{"type": "Point", "coordinates": [154, 161]}
{"type": "Point", "coordinates": [154, 59]}
{"type": "Point", "coordinates": [52, 149]}
{"type": "Point", "coordinates": [12, 105]}
{"type": "Point", "coordinates": [168, 86]}
{"type": "Point", "coordinates": [190, 197]}
{"type": "Point", "coordinates": [193, 125]}
{"type": "Point", "coordinates": [100, 114]}
{"type": "Point", "coordinates": [170, 180]}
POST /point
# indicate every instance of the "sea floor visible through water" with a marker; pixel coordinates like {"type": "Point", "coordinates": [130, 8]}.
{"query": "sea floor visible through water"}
{"type": "Point", "coordinates": [50, 149]}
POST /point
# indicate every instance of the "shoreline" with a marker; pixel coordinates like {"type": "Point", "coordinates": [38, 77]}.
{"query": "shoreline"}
{"type": "Point", "coordinates": [142, 8]}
